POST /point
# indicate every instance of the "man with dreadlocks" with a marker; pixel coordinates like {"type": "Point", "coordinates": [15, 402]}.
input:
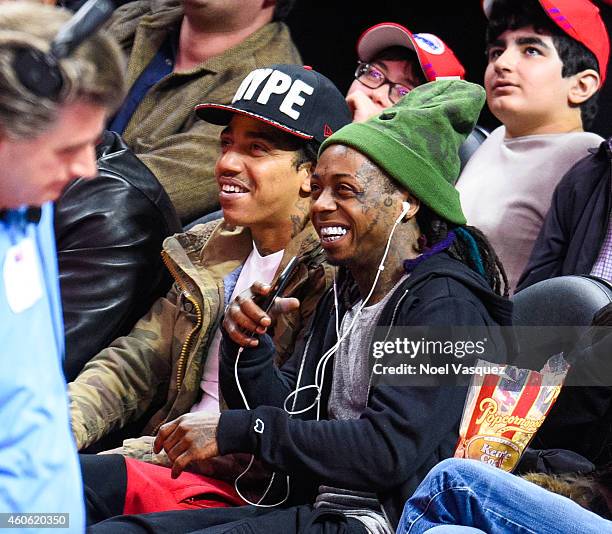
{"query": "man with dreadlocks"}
{"type": "Point", "coordinates": [354, 447]}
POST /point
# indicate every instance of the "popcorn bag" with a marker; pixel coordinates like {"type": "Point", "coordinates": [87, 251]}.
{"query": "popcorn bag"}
{"type": "Point", "coordinates": [503, 412]}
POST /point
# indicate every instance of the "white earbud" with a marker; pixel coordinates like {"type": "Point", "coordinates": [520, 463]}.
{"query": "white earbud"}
{"type": "Point", "coordinates": [405, 207]}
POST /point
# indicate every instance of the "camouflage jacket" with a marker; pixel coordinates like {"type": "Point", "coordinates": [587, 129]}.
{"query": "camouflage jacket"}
{"type": "Point", "coordinates": [159, 365]}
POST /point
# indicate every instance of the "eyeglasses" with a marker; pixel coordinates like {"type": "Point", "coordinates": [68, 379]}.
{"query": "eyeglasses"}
{"type": "Point", "coordinates": [371, 76]}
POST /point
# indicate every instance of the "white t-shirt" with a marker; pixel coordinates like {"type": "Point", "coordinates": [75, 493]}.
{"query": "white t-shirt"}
{"type": "Point", "coordinates": [507, 186]}
{"type": "Point", "coordinates": [256, 269]}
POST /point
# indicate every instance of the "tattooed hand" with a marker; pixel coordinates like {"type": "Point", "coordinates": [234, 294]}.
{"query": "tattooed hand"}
{"type": "Point", "coordinates": [189, 438]}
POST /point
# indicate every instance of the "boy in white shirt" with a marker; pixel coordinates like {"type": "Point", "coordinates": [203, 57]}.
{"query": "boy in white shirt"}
{"type": "Point", "coordinates": [547, 61]}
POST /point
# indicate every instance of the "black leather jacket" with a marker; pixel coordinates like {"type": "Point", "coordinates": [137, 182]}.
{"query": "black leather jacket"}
{"type": "Point", "coordinates": [109, 236]}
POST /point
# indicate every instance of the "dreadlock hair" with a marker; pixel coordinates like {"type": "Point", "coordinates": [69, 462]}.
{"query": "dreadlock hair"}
{"type": "Point", "coordinates": [470, 247]}
{"type": "Point", "coordinates": [515, 14]}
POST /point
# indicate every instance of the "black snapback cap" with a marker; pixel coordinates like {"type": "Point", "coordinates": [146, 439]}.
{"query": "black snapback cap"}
{"type": "Point", "coordinates": [293, 98]}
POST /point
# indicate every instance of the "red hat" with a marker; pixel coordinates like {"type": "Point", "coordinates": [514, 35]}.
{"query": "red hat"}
{"type": "Point", "coordinates": [580, 19]}
{"type": "Point", "coordinates": [437, 60]}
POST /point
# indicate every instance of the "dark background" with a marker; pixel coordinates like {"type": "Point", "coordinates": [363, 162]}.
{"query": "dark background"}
{"type": "Point", "coordinates": [326, 33]}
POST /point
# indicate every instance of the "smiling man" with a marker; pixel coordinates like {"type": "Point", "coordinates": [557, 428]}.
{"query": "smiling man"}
{"type": "Point", "coordinates": [46, 141]}
{"type": "Point", "coordinates": [354, 448]}
{"type": "Point", "coordinates": [168, 365]}
{"type": "Point", "coordinates": [546, 62]}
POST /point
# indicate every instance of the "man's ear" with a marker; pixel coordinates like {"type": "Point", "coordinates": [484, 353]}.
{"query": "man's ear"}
{"type": "Point", "coordinates": [584, 84]}
{"type": "Point", "coordinates": [305, 170]}
{"type": "Point", "coordinates": [415, 205]}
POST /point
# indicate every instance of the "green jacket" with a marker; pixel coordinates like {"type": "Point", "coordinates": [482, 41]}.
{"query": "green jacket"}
{"type": "Point", "coordinates": [160, 363]}
{"type": "Point", "coordinates": [164, 132]}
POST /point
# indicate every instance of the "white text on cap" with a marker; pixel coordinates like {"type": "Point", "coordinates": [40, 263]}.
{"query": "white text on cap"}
{"type": "Point", "coordinates": [277, 83]}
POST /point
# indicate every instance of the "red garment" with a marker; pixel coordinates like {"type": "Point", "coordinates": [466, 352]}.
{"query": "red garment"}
{"type": "Point", "coordinates": [150, 488]}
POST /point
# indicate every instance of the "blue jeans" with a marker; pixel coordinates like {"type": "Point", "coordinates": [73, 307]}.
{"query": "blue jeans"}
{"type": "Point", "coordinates": [470, 493]}
{"type": "Point", "coordinates": [454, 529]}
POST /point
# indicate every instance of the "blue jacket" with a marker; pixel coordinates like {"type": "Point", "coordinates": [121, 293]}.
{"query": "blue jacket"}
{"type": "Point", "coordinates": [39, 470]}
{"type": "Point", "coordinates": [403, 432]}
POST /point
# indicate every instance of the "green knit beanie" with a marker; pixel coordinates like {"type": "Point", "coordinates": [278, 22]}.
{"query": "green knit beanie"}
{"type": "Point", "coordinates": [417, 141]}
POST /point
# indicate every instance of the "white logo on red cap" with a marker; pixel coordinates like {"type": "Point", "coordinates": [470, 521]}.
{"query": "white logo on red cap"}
{"type": "Point", "coordinates": [430, 43]}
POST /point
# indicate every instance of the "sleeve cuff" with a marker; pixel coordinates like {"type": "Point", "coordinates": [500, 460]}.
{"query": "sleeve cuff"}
{"type": "Point", "coordinates": [235, 432]}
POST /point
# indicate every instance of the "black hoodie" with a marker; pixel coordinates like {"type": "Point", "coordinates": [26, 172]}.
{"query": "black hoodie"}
{"type": "Point", "coordinates": [403, 432]}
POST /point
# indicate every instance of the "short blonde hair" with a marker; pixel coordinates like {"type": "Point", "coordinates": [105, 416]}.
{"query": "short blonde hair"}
{"type": "Point", "coordinates": [94, 72]}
